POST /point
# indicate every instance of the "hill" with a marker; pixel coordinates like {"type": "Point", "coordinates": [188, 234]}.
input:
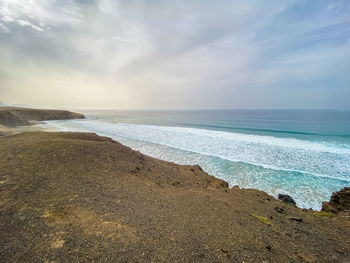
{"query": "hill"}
{"type": "Point", "coordinates": [79, 197]}
{"type": "Point", "coordinates": [16, 116]}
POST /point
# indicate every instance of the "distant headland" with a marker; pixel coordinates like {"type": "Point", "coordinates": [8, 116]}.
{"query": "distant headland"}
{"type": "Point", "coordinates": [17, 116]}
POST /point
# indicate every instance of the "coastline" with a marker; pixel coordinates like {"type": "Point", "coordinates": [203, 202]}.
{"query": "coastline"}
{"type": "Point", "coordinates": [14, 120]}
{"type": "Point", "coordinates": [87, 197]}
{"type": "Point", "coordinates": [308, 169]}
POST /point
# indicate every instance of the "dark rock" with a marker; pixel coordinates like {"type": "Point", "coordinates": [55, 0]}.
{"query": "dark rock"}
{"type": "Point", "coordinates": [135, 170]}
{"type": "Point", "coordinates": [279, 209]}
{"type": "Point", "coordinates": [224, 251]}
{"type": "Point", "coordinates": [339, 202]}
{"type": "Point", "coordinates": [286, 199]}
{"type": "Point", "coordinates": [198, 167]}
{"type": "Point", "coordinates": [268, 246]}
{"type": "Point", "coordinates": [298, 219]}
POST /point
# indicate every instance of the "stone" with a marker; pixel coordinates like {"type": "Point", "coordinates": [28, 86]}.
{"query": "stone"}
{"type": "Point", "coordinates": [286, 199]}
{"type": "Point", "coordinates": [279, 209]}
{"type": "Point", "coordinates": [298, 219]}
{"type": "Point", "coordinates": [268, 246]}
{"type": "Point", "coordinates": [339, 202]}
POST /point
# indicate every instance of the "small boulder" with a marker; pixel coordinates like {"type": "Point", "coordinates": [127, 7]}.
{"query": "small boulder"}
{"type": "Point", "coordinates": [268, 246]}
{"type": "Point", "coordinates": [279, 209]}
{"type": "Point", "coordinates": [286, 199]}
{"type": "Point", "coordinates": [339, 202]}
{"type": "Point", "coordinates": [298, 219]}
{"type": "Point", "coordinates": [236, 187]}
{"type": "Point", "coordinates": [217, 183]}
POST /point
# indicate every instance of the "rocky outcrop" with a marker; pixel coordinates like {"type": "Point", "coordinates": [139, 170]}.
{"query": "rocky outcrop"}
{"type": "Point", "coordinates": [339, 202]}
{"type": "Point", "coordinates": [286, 199]}
{"type": "Point", "coordinates": [10, 119]}
{"type": "Point", "coordinates": [14, 116]}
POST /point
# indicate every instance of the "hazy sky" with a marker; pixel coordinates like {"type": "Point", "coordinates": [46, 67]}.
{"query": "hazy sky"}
{"type": "Point", "coordinates": [191, 54]}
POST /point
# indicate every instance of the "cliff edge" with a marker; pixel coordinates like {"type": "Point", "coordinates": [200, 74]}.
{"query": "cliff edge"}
{"type": "Point", "coordinates": [16, 116]}
{"type": "Point", "coordinates": [79, 197]}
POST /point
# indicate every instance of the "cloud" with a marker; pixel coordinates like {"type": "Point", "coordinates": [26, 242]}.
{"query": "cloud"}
{"type": "Point", "coordinates": [27, 23]}
{"type": "Point", "coordinates": [4, 28]}
{"type": "Point", "coordinates": [174, 54]}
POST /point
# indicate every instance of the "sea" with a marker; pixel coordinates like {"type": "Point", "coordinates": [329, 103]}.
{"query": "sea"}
{"type": "Point", "coordinates": [303, 153]}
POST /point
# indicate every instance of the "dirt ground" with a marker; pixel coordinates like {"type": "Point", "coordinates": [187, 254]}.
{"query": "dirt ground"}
{"type": "Point", "coordinates": [79, 197]}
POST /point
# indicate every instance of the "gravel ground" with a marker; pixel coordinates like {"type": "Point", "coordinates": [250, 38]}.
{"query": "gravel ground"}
{"type": "Point", "coordinates": [79, 197]}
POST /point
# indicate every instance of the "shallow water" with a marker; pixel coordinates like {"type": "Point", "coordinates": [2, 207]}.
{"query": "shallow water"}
{"type": "Point", "coordinates": [302, 153]}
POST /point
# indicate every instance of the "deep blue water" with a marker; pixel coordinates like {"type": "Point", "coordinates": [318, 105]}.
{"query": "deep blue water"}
{"type": "Point", "coordinates": [304, 153]}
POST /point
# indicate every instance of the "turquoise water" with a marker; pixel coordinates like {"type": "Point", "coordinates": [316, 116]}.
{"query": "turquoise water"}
{"type": "Point", "coordinates": [302, 153]}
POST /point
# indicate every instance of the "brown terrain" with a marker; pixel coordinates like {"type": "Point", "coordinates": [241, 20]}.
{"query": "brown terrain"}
{"type": "Point", "coordinates": [79, 197]}
{"type": "Point", "coordinates": [15, 116]}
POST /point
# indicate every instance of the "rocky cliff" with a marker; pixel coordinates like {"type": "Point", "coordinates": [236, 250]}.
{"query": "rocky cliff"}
{"type": "Point", "coordinates": [15, 116]}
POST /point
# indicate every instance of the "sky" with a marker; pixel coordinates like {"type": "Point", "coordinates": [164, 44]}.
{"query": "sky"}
{"type": "Point", "coordinates": [190, 54]}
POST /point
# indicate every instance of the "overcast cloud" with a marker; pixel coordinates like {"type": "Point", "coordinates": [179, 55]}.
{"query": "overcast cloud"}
{"type": "Point", "coordinates": [195, 54]}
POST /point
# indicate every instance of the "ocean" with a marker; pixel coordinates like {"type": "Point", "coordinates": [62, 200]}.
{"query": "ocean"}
{"type": "Point", "coordinates": [303, 153]}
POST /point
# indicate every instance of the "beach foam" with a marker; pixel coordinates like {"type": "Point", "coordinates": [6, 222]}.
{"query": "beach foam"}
{"type": "Point", "coordinates": [309, 170]}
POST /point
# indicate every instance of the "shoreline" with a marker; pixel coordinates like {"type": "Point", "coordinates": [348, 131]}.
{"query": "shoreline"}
{"type": "Point", "coordinates": [246, 173]}
{"type": "Point", "coordinates": [34, 123]}
{"type": "Point", "coordinates": [46, 114]}
{"type": "Point", "coordinates": [84, 197]}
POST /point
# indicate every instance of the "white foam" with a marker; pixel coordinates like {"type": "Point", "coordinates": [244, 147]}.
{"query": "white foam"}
{"type": "Point", "coordinates": [147, 132]}
{"type": "Point", "coordinates": [318, 158]}
{"type": "Point", "coordinates": [281, 156]}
